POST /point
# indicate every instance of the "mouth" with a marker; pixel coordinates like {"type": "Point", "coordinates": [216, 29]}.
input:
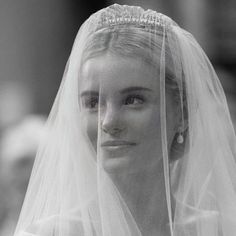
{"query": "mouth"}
{"type": "Point", "coordinates": [117, 144]}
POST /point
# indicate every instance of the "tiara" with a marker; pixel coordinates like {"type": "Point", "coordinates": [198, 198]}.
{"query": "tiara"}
{"type": "Point", "coordinates": [144, 20]}
{"type": "Point", "coordinates": [132, 15]}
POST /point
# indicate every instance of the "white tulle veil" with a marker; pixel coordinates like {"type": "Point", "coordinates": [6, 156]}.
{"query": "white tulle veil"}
{"type": "Point", "coordinates": [182, 183]}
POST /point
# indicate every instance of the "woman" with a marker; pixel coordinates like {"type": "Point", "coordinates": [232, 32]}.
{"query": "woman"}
{"type": "Point", "coordinates": [140, 139]}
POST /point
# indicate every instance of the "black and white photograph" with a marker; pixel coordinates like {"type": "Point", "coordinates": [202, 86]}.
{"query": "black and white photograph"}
{"type": "Point", "coordinates": [117, 118]}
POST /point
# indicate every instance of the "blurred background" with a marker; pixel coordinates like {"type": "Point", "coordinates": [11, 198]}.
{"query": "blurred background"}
{"type": "Point", "coordinates": [35, 41]}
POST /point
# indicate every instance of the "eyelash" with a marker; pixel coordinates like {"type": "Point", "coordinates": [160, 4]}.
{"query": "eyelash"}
{"type": "Point", "coordinates": [89, 102]}
{"type": "Point", "coordinates": [135, 96]}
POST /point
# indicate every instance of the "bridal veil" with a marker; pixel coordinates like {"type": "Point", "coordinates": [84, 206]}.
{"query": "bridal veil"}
{"type": "Point", "coordinates": [162, 162]}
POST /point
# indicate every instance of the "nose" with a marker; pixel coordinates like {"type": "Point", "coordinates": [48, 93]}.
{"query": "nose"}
{"type": "Point", "coordinates": [112, 122]}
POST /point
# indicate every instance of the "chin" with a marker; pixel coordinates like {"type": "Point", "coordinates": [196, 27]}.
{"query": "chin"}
{"type": "Point", "coordinates": [116, 164]}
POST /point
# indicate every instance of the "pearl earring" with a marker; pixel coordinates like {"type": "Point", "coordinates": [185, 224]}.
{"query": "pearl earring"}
{"type": "Point", "coordinates": [180, 138]}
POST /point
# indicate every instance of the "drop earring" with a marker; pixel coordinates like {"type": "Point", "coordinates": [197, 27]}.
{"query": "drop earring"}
{"type": "Point", "coordinates": [180, 138]}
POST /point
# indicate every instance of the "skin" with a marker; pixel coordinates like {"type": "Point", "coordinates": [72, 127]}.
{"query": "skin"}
{"type": "Point", "coordinates": [126, 113]}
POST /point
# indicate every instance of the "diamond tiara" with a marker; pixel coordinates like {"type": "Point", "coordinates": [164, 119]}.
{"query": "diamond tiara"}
{"type": "Point", "coordinates": [121, 15]}
{"type": "Point", "coordinates": [144, 21]}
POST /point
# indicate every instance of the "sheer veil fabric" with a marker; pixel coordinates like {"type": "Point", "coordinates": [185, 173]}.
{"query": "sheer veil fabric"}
{"type": "Point", "coordinates": [139, 139]}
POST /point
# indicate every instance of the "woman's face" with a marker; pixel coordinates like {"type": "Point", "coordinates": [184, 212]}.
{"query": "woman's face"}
{"type": "Point", "coordinates": [121, 96]}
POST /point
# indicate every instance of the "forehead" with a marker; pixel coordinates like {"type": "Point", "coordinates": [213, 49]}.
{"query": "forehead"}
{"type": "Point", "coordinates": [110, 73]}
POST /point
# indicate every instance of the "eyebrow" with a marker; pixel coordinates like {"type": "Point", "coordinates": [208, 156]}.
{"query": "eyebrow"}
{"type": "Point", "coordinates": [89, 93]}
{"type": "Point", "coordinates": [135, 88]}
{"type": "Point", "coordinates": [126, 90]}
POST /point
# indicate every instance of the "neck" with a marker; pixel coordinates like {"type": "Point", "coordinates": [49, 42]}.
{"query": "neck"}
{"type": "Point", "coordinates": [144, 194]}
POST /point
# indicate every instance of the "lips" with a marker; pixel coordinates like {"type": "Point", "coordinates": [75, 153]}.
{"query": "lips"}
{"type": "Point", "coordinates": [117, 143]}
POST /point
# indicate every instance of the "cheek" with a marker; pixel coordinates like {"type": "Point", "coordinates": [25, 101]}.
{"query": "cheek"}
{"type": "Point", "coordinates": [145, 124]}
{"type": "Point", "coordinates": [91, 128]}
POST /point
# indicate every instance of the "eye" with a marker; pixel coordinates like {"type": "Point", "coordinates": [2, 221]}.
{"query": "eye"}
{"type": "Point", "coordinates": [91, 103]}
{"type": "Point", "coordinates": [134, 100]}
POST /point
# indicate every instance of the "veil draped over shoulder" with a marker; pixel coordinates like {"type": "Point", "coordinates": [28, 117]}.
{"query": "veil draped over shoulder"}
{"type": "Point", "coordinates": [139, 138]}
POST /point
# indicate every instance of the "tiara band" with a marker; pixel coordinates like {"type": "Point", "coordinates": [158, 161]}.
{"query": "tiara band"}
{"type": "Point", "coordinates": [143, 21]}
